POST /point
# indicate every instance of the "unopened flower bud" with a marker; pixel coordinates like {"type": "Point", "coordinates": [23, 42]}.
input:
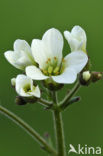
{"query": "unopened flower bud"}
{"type": "Point", "coordinates": [86, 75]}
{"type": "Point", "coordinates": [13, 82]}
{"type": "Point", "coordinates": [85, 78]}
{"type": "Point", "coordinates": [20, 100]}
{"type": "Point", "coordinates": [96, 76]}
{"type": "Point", "coordinates": [31, 99]}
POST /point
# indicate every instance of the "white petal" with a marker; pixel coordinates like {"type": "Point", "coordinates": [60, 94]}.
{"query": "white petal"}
{"type": "Point", "coordinates": [21, 81]}
{"type": "Point", "coordinates": [21, 56]}
{"type": "Point", "coordinates": [74, 43]}
{"type": "Point", "coordinates": [79, 33]}
{"type": "Point", "coordinates": [76, 60]}
{"type": "Point", "coordinates": [67, 77]}
{"type": "Point", "coordinates": [40, 52]}
{"type": "Point", "coordinates": [23, 93]}
{"type": "Point", "coordinates": [24, 60]}
{"type": "Point", "coordinates": [76, 38]}
{"type": "Point", "coordinates": [21, 45]}
{"type": "Point", "coordinates": [12, 59]}
{"type": "Point", "coordinates": [35, 73]}
{"type": "Point", "coordinates": [50, 46]}
{"type": "Point", "coordinates": [54, 42]}
{"type": "Point", "coordinates": [36, 92]}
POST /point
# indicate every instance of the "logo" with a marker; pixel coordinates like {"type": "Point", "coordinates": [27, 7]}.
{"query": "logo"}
{"type": "Point", "coordinates": [85, 150]}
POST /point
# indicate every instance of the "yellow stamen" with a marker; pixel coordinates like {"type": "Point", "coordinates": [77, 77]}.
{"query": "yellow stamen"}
{"type": "Point", "coordinates": [56, 70]}
{"type": "Point", "coordinates": [50, 69]}
{"type": "Point", "coordinates": [55, 58]}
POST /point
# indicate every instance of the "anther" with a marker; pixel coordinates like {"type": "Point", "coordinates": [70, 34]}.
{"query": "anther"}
{"type": "Point", "coordinates": [55, 58]}
{"type": "Point", "coordinates": [49, 59]}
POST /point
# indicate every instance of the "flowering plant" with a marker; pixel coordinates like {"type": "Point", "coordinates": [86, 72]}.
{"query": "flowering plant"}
{"type": "Point", "coordinates": [43, 61]}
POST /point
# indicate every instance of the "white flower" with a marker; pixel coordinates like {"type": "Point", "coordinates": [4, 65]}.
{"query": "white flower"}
{"type": "Point", "coordinates": [25, 88]}
{"type": "Point", "coordinates": [86, 75]}
{"type": "Point", "coordinates": [21, 56]}
{"type": "Point", "coordinates": [76, 38]}
{"type": "Point", "coordinates": [48, 54]}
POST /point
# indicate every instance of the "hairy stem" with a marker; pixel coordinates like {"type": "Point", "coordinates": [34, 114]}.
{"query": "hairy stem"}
{"type": "Point", "coordinates": [29, 129]}
{"type": "Point", "coordinates": [58, 128]}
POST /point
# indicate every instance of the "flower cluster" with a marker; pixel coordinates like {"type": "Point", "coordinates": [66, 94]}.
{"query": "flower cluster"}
{"type": "Point", "coordinates": [44, 60]}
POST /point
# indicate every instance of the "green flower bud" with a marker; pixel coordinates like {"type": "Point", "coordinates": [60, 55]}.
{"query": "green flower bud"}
{"type": "Point", "coordinates": [13, 82]}
{"type": "Point", "coordinates": [96, 76]}
{"type": "Point", "coordinates": [20, 100]}
{"type": "Point", "coordinates": [85, 78]}
{"type": "Point", "coordinates": [86, 75]}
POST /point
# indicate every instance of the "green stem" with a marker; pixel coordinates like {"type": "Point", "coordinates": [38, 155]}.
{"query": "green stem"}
{"type": "Point", "coordinates": [45, 102]}
{"type": "Point", "coordinates": [70, 94]}
{"type": "Point", "coordinates": [28, 128]}
{"type": "Point", "coordinates": [71, 101]}
{"type": "Point", "coordinates": [58, 128]}
{"type": "Point", "coordinates": [55, 98]}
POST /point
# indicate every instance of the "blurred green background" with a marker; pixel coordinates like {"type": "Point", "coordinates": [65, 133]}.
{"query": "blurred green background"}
{"type": "Point", "coordinates": [28, 19]}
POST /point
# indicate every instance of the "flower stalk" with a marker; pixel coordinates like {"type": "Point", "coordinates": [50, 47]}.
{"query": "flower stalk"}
{"type": "Point", "coordinates": [44, 102]}
{"type": "Point", "coordinates": [28, 129]}
{"type": "Point", "coordinates": [71, 101]}
{"type": "Point", "coordinates": [59, 132]}
{"type": "Point", "coordinates": [69, 95]}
